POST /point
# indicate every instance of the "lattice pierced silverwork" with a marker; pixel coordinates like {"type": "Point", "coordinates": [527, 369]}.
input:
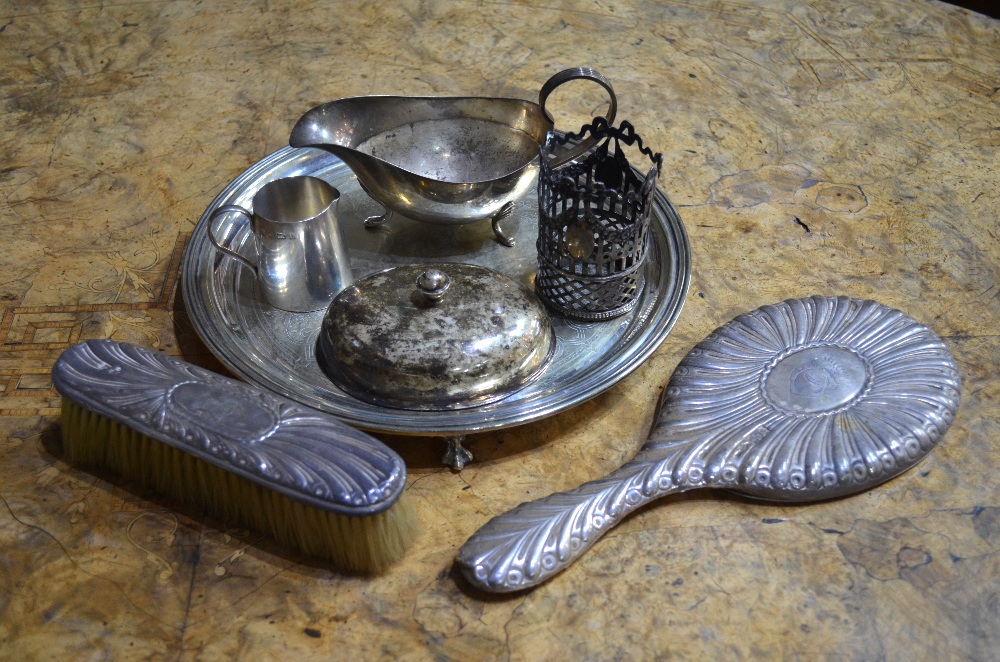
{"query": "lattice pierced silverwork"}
{"type": "Point", "coordinates": [593, 218]}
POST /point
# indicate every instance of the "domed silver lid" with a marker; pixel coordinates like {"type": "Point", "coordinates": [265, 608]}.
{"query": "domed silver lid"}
{"type": "Point", "coordinates": [434, 337]}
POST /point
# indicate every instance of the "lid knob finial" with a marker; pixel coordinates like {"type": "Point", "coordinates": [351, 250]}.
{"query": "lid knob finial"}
{"type": "Point", "coordinates": [433, 283]}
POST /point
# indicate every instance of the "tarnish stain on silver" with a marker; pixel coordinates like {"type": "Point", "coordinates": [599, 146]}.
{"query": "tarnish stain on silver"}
{"type": "Point", "coordinates": [804, 400]}
{"type": "Point", "coordinates": [435, 337]}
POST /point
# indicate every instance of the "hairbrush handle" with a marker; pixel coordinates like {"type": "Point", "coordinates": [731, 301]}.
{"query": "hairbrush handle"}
{"type": "Point", "coordinates": [534, 541]}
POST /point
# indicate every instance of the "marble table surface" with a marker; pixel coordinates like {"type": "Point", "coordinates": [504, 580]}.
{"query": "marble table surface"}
{"type": "Point", "coordinates": [810, 146]}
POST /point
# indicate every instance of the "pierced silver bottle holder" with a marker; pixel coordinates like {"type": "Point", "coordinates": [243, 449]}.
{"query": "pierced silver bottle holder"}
{"type": "Point", "coordinates": [593, 217]}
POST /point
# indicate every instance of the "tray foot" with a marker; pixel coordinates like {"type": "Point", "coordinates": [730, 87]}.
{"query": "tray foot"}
{"type": "Point", "coordinates": [456, 456]}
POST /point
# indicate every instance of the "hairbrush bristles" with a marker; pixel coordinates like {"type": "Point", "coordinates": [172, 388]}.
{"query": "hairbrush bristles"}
{"type": "Point", "coordinates": [247, 456]}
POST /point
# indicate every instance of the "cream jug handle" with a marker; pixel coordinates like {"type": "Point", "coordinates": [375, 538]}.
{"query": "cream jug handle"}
{"type": "Point", "coordinates": [215, 242]}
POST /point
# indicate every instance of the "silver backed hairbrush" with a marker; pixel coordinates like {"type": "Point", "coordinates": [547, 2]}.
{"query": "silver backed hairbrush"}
{"type": "Point", "coordinates": [248, 455]}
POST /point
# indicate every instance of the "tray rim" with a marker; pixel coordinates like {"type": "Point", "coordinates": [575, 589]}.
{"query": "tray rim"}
{"type": "Point", "coordinates": [666, 222]}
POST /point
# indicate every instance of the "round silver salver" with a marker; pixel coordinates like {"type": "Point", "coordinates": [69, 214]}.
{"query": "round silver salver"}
{"type": "Point", "coordinates": [276, 350]}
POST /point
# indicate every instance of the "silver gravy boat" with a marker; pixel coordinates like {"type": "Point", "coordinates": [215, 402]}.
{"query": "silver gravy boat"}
{"type": "Point", "coordinates": [443, 160]}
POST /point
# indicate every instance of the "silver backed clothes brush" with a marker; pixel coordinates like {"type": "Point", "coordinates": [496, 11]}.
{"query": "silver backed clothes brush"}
{"type": "Point", "coordinates": [804, 400]}
{"type": "Point", "coordinates": [248, 456]}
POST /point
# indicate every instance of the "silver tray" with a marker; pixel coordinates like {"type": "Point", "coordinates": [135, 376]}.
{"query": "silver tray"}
{"type": "Point", "coordinates": [277, 350]}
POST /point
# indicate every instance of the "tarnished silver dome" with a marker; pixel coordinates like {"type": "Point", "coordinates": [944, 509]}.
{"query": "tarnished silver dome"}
{"type": "Point", "coordinates": [435, 337]}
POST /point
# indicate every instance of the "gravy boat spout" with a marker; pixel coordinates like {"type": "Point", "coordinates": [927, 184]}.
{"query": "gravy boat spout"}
{"type": "Point", "coordinates": [443, 160]}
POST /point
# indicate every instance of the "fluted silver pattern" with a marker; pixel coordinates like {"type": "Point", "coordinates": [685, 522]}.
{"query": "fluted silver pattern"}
{"type": "Point", "coordinates": [803, 400]}
{"type": "Point", "coordinates": [278, 443]}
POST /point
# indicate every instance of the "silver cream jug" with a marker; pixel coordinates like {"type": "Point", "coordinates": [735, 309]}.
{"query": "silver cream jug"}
{"type": "Point", "coordinates": [301, 261]}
